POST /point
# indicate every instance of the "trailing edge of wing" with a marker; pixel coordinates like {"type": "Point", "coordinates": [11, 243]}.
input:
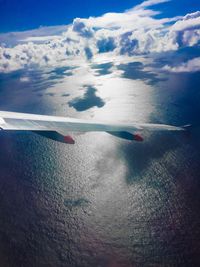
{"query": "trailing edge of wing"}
{"type": "Point", "coordinates": [56, 128]}
{"type": "Point", "coordinates": [33, 122]}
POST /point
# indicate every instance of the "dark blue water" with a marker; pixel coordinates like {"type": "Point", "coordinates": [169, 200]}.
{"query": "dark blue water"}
{"type": "Point", "coordinates": [104, 201]}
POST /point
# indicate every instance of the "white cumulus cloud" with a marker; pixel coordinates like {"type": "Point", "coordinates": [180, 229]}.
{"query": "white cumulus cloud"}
{"type": "Point", "coordinates": [149, 3]}
{"type": "Point", "coordinates": [134, 32]}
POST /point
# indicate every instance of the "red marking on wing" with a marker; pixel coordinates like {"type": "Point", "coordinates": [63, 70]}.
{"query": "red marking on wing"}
{"type": "Point", "coordinates": [138, 137]}
{"type": "Point", "coordinates": [69, 140]}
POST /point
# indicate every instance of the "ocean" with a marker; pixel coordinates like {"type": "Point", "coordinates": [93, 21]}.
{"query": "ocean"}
{"type": "Point", "coordinates": [103, 202]}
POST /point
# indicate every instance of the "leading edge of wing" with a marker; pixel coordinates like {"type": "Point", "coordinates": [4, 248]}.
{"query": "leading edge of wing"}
{"type": "Point", "coordinates": [25, 121]}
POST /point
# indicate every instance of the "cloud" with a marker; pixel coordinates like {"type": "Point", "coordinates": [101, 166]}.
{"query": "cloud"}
{"type": "Point", "coordinates": [24, 79]}
{"type": "Point", "coordinates": [80, 27]}
{"type": "Point", "coordinates": [41, 35]}
{"type": "Point", "coordinates": [134, 32]}
{"type": "Point", "coordinates": [149, 3]}
{"type": "Point", "coordinates": [185, 32]}
{"type": "Point", "coordinates": [192, 65]}
{"type": "Point", "coordinates": [106, 44]}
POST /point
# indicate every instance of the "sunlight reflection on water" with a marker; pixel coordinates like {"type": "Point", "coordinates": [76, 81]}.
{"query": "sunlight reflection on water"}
{"type": "Point", "coordinates": [103, 201]}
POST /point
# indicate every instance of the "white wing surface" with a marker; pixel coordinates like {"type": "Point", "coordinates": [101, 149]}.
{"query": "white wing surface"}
{"type": "Point", "coordinates": [56, 128]}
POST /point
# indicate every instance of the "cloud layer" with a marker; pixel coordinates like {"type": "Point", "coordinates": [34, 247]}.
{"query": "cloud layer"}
{"type": "Point", "coordinates": [134, 32]}
{"type": "Point", "coordinates": [192, 65]}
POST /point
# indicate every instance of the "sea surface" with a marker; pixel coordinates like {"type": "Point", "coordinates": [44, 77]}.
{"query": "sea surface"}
{"type": "Point", "coordinates": [103, 202]}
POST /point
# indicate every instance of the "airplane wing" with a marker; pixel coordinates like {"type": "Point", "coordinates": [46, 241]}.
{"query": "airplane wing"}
{"type": "Point", "coordinates": [56, 128]}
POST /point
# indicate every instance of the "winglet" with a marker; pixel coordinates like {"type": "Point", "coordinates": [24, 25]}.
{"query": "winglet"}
{"type": "Point", "coordinates": [187, 127]}
{"type": "Point", "coordinates": [187, 130]}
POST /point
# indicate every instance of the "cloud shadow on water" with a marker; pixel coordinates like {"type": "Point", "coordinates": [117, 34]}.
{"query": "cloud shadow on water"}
{"type": "Point", "coordinates": [76, 203]}
{"type": "Point", "coordinates": [60, 72]}
{"type": "Point", "coordinates": [182, 55]}
{"type": "Point", "coordinates": [50, 94]}
{"type": "Point", "coordinates": [21, 80]}
{"type": "Point", "coordinates": [88, 100]}
{"type": "Point", "coordinates": [102, 69]}
{"type": "Point", "coordinates": [65, 95]}
{"type": "Point", "coordinates": [135, 71]}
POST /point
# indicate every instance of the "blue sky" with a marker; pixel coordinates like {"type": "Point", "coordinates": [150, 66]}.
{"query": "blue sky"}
{"type": "Point", "coordinates": [19, 15]}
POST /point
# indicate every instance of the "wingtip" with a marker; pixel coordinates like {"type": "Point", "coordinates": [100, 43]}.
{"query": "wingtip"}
{"type": "Point", "coordinates": [187, 127]}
